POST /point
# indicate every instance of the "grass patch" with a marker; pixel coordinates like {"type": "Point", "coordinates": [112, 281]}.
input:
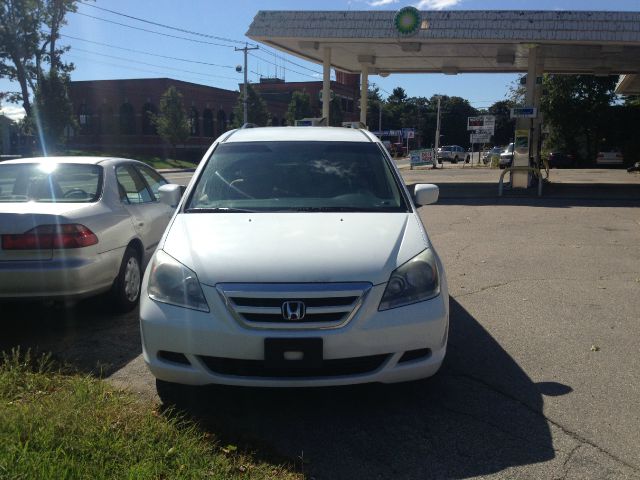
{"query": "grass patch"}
{"type": "Point", "coordinates": [57, 424]}
{"type": "Point", "coordinates": [153, 161]}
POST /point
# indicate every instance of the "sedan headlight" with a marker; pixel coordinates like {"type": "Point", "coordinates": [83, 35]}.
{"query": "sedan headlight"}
{"type": "Point", "coordinates": [415, 281]}
{"type": "Point", "coordinates": [173, 283]}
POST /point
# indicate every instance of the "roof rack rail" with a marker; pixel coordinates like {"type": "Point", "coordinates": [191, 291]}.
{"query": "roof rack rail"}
{"type": "Point", "coordinates": [249, 125]}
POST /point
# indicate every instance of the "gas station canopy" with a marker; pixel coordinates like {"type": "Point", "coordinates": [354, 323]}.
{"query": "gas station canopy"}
{"type": "Point", "coordinates": [452, 42]}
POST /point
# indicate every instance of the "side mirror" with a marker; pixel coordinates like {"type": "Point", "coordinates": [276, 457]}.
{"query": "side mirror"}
{"type": "Point", "coordinates": [426, 194]}
{"type": "Point", "coordinates": [170, 194]}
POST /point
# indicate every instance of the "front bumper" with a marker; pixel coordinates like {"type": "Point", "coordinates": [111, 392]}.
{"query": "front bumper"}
{"type": "Point", "coordinates": [386, 336]}
{"type": "Point", "coordinates": [67, 275]}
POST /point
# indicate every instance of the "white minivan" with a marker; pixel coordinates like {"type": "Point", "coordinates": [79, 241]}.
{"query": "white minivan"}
{"type": "Point", "coordinates": [296, 257]}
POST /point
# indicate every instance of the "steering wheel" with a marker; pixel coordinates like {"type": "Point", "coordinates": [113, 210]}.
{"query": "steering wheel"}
{"type": "Point", "coordinates": [75, 192]}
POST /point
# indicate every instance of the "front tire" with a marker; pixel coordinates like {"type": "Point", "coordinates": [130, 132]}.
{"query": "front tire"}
{"type": "Point", "coordinates": [126, 288]}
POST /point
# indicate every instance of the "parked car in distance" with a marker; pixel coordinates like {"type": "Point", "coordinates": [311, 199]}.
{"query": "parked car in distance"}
{"type": "Point", "coordinates": [399, 150]}
{"type": "Point", "coordinates": [296, 258]}
{"type": "Point", "coordinates": [609, 157]}
{"type": "Point", "coordinates": [492, 154]}
{"type": "Point", "coordinates": [72, 227]}
{"type": "Point", "coordinates": [561, 159]}
{"type": "Point", "coordinates": [506, 157]}
{"type": "Point", "coordinates": [452, 153]}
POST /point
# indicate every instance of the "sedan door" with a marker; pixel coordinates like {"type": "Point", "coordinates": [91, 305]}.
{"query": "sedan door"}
{"type": "Point", "coordinates": [149, 216]}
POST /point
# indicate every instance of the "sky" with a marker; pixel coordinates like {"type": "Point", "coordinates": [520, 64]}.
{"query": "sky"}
{"type": "Point", "coordinates": [101, 49]}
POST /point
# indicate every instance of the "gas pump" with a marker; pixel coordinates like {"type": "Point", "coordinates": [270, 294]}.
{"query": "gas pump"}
{"type": "Point", "coordinates": [521, 155]}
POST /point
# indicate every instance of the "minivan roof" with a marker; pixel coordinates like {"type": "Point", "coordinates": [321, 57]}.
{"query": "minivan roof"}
{"type": "Point", "coordinates": [299, 134]}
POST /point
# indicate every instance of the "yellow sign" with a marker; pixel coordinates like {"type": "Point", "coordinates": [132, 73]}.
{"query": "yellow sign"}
{"type": "Point", "coordinates": [521, 144]}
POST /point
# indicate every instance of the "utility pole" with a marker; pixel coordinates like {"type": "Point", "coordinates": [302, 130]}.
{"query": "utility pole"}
{"type": "Point", "coordinates": [437, 143]}
{"type": "Point", "coordinates": [244, 94]}
{"type": "Point", "coordinates": [380, 118]}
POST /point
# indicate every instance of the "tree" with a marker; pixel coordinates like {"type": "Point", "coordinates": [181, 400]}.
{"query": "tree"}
{"type": "Point", "coordinates": [172, 122]}
{"type": "Point", "coordinates": [374, 104]}
{"type": "Point", "coordinates": [336, 115]}
{"type": "Point", "coordinates": [505, 125]}
{"type": "Point", "coordinates": [576, 107]}
{"type": "Point", "coordinates": [299, 107]}
{"type": "Point", "coordinates": [53, 111]}
{"type": "Point", "coordinates": [453, 127]}
{"type": "Point", "coordinates": [29, 31]}
{"type": "Point", "coordinates": [257, 112]}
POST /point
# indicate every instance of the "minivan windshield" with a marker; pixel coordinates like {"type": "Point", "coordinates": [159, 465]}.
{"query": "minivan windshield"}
{"type": "Point", "coordinates": [297, 176]}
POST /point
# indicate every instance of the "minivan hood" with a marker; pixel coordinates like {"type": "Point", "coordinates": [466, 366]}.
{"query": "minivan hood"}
{"type": "Point", "coordinates": [294, 247]}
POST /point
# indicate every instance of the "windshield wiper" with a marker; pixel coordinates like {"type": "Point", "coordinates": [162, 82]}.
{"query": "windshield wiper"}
{"type": "Point", "coordinates": [335, 209]}
{"type": "Point", "coordinates": [218, 210]}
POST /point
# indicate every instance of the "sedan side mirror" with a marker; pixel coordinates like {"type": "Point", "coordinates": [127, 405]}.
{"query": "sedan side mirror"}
{"type": "Point", "coordinates": [426, 194]}
{"type": "Point", "coordinates": [170, 194]}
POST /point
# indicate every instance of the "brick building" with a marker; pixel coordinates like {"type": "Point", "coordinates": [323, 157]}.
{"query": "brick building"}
{"type": "Point", "coordinates": [114, 115]}
{"type": "Point", "coordinates": [277, 93]}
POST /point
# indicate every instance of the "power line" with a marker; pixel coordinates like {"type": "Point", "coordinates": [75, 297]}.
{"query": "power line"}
{"type": "Point", "coordinates": [129, 67]}
{"type": "Point", "coordinates": [270, 52]}
{"type": "Point", "coordinates": [284, 68]}
{"type": "Point", "coordinates": [153, 31]}
{"type": "Point", "coordinates": [148, 53]}
{"type": "Point", "coordinates": [152, 64]}
{"type": "Point", "coordinates": [191, 32]}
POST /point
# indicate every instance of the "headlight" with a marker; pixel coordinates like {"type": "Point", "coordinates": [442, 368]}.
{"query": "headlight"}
{"type": "Point", "coordinates": [415, 281]}
{"type": "Point", "coordinates": [173, 283]}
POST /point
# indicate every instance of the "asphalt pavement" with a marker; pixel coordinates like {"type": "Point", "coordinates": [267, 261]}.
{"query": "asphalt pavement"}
{"type": "Point", "coordinates": [542, 375]}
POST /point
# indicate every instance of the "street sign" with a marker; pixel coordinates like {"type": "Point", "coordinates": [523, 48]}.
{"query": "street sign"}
{"type": "Point", "coordinates": [524, 112]}
{"type": "Point", "coordinates": [484, 137]}
{"type": "Point", "coordinates": [484, 123]}
{"type": "Point", "coordinates": [408, 132]}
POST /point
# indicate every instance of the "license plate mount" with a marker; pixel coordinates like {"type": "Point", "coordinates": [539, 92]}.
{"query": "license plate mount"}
{"type": "Point", "coordinates": [293, 353]}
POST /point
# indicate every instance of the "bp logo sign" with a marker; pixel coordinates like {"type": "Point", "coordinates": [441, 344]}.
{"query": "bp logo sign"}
{"type": "Point", "coordinates": [407, 20]}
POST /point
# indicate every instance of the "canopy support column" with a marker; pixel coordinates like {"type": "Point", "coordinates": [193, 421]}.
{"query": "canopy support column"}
{"type": "Point", "coordinates": [326, 83]}
{"type": "Point", "coordinates": [364, 91]}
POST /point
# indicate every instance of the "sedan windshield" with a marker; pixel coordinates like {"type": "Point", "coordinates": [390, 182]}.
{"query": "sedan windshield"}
{"type": "Point", "coordinates": [297, 176]}
{"type": "Point", "coordinates": [50, 182]}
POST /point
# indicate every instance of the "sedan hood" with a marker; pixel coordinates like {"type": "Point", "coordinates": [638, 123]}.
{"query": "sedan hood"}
{"type": "Point", "coordinates": [294, 247]}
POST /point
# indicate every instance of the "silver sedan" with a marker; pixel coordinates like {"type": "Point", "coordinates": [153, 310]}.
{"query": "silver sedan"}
{"type": "Point", "coordinates": [72, 227]}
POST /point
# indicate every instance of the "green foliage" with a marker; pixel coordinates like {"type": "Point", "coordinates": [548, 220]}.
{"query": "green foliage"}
{"type": "Point", "coordinates": [257, 112]}
{"type": "Point", "coordinates": [299, 107]}
{"type": "Point", "coordinates": [60, 425]}
{"type": "Point", "coordinates": [53, 110]}
{"type": "Point", "coordinates": [336, 115]}
{"type": "Point", "coordinates": [29, 32]}
{"type": "Point", "coordinates": [576, 108]}
{"type": "Point", "coordinates": [505, 125]}
{"type": "Point", "coordinates": [172, 122]}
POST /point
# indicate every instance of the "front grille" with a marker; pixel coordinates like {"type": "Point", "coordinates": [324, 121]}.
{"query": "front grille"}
{"type": "Point", "coordinates": [329, 368]}
{"type": "Point", "coordinates": [328, 305]}
{"type": "Point", "coordinates": [309, 318]}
